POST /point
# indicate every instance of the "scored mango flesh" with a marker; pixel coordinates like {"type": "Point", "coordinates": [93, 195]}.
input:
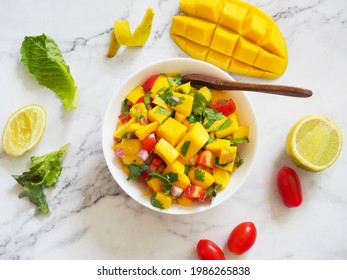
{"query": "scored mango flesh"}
{"type": "Point", "coordinates": [231, 34]}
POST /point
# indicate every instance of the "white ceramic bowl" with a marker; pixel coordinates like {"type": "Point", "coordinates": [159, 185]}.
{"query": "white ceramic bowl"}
{"type": "Point", "coordinates": [183, 65]}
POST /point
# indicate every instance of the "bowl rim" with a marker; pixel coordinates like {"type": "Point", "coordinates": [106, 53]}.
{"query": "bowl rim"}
{"type": "Point", "coordinates": [119, 175]}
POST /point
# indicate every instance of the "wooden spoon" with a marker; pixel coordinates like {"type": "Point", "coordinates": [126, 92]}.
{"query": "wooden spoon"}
{"type": "Point", "coordinates": [199, 80]}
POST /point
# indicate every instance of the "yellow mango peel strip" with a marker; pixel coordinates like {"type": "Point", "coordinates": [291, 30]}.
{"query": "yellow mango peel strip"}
{"type": "Point", "coordinates": [121, 35]}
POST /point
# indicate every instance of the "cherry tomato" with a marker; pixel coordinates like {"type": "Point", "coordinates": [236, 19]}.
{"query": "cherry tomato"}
{"type": "Point", "coordinates": [205, 158]}
{"type": "Point", "coordinates": [195, 192]}
{"type": "Point", "coordinates": [226, 107]}
{"type": "Point", "coordinates": [149, 142]}
{"type": "Point", "coordinates": [289, 187]}
{"type": "Point", "coordinates": [148, 84]}
{"type": "Point", "coordinates": [242, 238]}
{"type": "Point", "coordinates": [208, 250]}
{"type": "Point", "coordinates": [124, 118]}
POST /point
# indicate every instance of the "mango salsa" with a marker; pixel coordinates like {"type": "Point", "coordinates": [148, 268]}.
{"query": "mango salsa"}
{"type": "Point", "coordinates": [184, 144]}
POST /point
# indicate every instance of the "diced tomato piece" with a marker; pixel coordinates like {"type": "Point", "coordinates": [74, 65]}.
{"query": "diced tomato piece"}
{"type": "Point", "coordinates": [153, 167]}
{"type": "Point", "coordinates": [157, 161]}
{"type": "Point", "coordinates": [205, 158]}
{"type": "Point", "coordinates": [194, 192]}
{"type": "Point", "coordinates": [140, 100]}
{"type": "Point", "coordinates": [143, 176]}
{"type": "Point", "coordinates": [124, 118]}
{"type": "Point", "coordinates": [149, 142]}
{"type": "Point", "coordinates": [226, 107]}
{"type": "Point", "coordinates": [148, 84]}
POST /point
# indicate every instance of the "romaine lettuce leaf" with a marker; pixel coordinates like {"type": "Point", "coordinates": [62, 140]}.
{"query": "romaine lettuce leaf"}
{"type": "Point", "coordinates": [44, 173]}
{"type": "Point", "coordinates": [43, 59]}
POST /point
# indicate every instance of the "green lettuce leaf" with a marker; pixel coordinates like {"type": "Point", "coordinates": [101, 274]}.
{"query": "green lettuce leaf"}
{"type": "Point", "coordinates": [43, 59]}
{"type": "Point", "coordinates": [44, 173]}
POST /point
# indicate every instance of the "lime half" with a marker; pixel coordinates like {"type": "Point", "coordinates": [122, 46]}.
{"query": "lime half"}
{"type": "Point", "coordinates": [24, 129]}
{"type": "Point", "coordinates": [314, 143]}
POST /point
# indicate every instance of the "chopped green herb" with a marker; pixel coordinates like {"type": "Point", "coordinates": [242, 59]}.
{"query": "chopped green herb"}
{"type": "Point", "coordinates": [212, 191]}
{"type": "Point", "coordinates": [216, 162]}
{"type": "Point", "coordinates": [239, 163]}
{"type": "Point", "coordinates": [187, 167]}
{"type": "Point", "coordinates": [147, 100]}
{"type": "Point", "coordinates": [175, 80]}
{"type": "Point", "coordinates": [155, 202]}
{"type": "Point", "coordinates": [168, 179]}
{"type": "Point", "coordinates": [136, 170]}
{"type": "Point", "coordinates": [235, 141]}
{"type": "Point", "coordinates": [226, 124]}
{"type": "Point", "coordinates": [199, 175]}
{"type": "Point", "coordinates": [163, 111]}
{"type": "Point", "coordinates": [185, 147]}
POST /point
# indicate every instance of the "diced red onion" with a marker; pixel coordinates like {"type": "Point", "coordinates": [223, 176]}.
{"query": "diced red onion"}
{"type": "Point", "coordinates": [161, 167]}
{"type": "Point", "coordinates": [230, 160]}
{"type": "Point", "coordinates": [119, 153]}
{"type": "Point", "coordinates": [192, 161]}
{"type": "Point", "coordinates": [175, 98]}
{"type": "Point", "coordinates": [142, 154]}
{"type": "Point", "coordinates": [149, 159]}
{"type": "Point", "coordinates": [176, 191]}
{"type": "Point", "coordinates": [143, 120]}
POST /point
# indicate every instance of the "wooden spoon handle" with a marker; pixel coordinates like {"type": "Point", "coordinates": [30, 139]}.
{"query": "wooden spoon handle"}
{"type": "Point", "coordinates": [198, 80]}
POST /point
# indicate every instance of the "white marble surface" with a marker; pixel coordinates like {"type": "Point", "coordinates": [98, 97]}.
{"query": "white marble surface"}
{"type": "Point", "coordinates": [92, 218]}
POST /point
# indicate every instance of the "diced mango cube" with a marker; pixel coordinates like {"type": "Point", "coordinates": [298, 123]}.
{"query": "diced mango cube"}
{"type": "Point", "coordinates": [242, 132]}
{"type": "Point", "coordinates": [123, 129]}
{"type": "Point", "coordinates": [139, 111]}
{"type": "Point", "coordinates": [186, 103]}
{"type": "Point", "coordinates": [155, 183]}
{"type": "Point", "coordinates": [216, 145]}
{"type": "Point", "coordinates": [196, 50]}
{"type": "Point", "coordinates": [172, 131]}
{"type": "Point", "coordinates": [227, 154]}
{"type": "Point", "coordinates": [188, 6]}
{"type": "Point", "coordinates": [179, 26]}
{"type": "Point", "coordinates": [231, 128]}
{"type": "Point", "coordinates": [184, 88]}
{"type": "Point", "coordinates": [135, 94]}
{"type": "Point", "coordinates": [146, 130]}
{"type": "Point", "coordinates": [131, 146]}
{"type": "Point", "coordinates": [132, 159]}
{"type": "Point", "coordinates": [210, 10]}
{"type": "Point", "coordinates": [166, 151]}
{"type": "Point", "coordinates": [233, 15]}
{"type": "Point", "coordinates": [180, 117]}
{"type": "Point", "coordinates": [185, 201]}
{"type": "Point", "coordinates": [215, 125]}
{"type": "Point", "coordinates": [163, 199]}
{"type": "Point", "coordinates": [159, 101]}
{"type": "Point", "coordinates": [218, 59]}
{"type": "Point", "coordinates": [254, 28]}
{"type": "Point", "coordinates": [224, 41]}
{"type": "Point", "coordinates": [221, 177]}
{"type": "Point", "coordinates": [200, 177]}
{"type": "Point", "coordinates": [159, 114]}
{"type": "Point", "coordinates": [160, 83]}
{"type": "Point", "coordinates": [194, 140]}
{"type": "Point", "coordinates": [200, 31]}
{"type": "Point", "coordinates": [178, 167]}
{"type": "Point", "coordinates": [206, 93]}
{"type": "Point", "coordinates": [246, 51]}
{"type": "Point", "coordinates": [229, 166]}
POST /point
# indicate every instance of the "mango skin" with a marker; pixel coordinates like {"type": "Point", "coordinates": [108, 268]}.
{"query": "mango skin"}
{"type": "Point", "coordinates": [233, 35]}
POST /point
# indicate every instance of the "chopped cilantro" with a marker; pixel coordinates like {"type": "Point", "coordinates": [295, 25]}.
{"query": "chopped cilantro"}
{"type": "Point", "coordinates": [187, 167]}
{"type": "Point", "coordinates": [185, 147]}
{"type": "Point", "coordinates": [162, 111]}
{"type": "Point", "coordinates": [136, 170]}
{"type": "Point", "coordinates": [155, 202]}
{"type": "Point", "coordinates": [226, 124]}
{"type": "Point", "coordinates": [175, 80]}
{"type": "Point", "coordinates": [199, 175]}
{"type": "Point", "coordinates": [235, 141]}
{"type": "Point", "coordinates": [212, 191]}
{"type": "Point", "coordinates": [216, 162]}
{"type": "Point", "coordinates": [168, 179]}
{"type": "Point", "coordinates": [147, 100]}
